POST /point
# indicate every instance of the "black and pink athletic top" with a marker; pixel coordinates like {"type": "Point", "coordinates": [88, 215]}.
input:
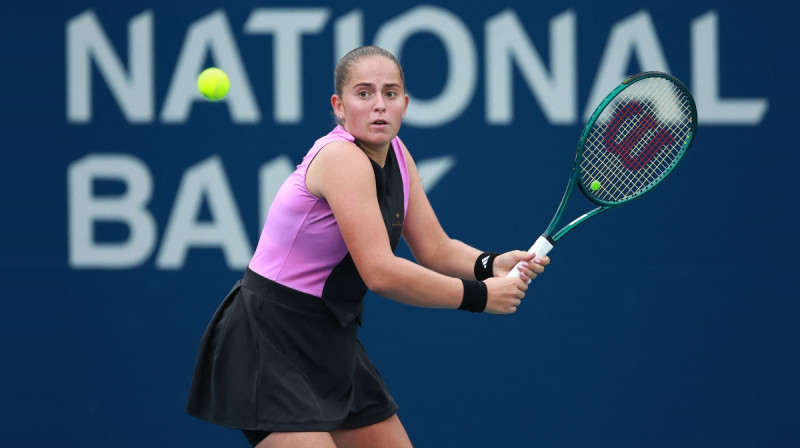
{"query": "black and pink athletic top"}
{"type": "Point", "coordinates": [301, 246]}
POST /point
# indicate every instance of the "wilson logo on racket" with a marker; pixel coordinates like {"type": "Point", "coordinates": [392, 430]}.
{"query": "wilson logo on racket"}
{"type": "Point", "coordinates": [642, 142]}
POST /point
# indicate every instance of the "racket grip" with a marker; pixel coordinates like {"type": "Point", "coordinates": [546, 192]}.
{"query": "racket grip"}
{"type": "Point", "coordinates": [541, 248]}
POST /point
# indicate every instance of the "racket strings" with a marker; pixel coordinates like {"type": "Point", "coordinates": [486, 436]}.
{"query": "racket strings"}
{"type": "Point", "coordinates": [636, 140]}
{"type": "Point", "coordinates": [653, 127]}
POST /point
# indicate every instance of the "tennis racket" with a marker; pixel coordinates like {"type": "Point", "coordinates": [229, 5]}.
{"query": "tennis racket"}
{"type": "Point", "coordinates": [631, 143]}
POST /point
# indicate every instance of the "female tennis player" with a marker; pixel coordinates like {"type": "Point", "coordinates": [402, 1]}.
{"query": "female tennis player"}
{"type": "Point", "coordinates": [280, 359]}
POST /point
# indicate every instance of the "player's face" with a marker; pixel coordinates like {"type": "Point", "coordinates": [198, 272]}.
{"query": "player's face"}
{"type": "Point", "coordinates": [373, 102]}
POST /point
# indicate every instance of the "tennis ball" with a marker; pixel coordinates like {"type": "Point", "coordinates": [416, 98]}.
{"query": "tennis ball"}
{"type": "Point", "coordinates": [213, 83]}
{"type": "Point", "coordinates": [595, 185]}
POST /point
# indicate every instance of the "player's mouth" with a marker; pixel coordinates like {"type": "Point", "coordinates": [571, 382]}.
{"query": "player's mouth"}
{"type": "Point", "coordinates": [380, 123]}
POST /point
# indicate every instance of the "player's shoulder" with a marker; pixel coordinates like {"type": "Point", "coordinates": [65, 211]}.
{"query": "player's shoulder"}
{"type": "Point", "coordinates": [340, 146]}
{"type": "Point", "coordinates": [342, 154]}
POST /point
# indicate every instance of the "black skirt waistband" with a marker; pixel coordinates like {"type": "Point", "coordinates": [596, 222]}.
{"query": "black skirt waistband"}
{"type": "Point", "coordinates": [283, 294]}
{"type": "Point", "coordinates": [344, 311]}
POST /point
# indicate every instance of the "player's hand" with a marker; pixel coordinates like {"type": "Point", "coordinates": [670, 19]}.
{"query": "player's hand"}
{"type": "Point", "coordinates": [531, 266]}
{"type": "Point", "coordinates": [504, 294]}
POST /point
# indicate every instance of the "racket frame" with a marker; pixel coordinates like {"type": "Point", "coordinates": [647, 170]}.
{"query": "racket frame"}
{"type": "Point", "coordinates": [574, 177]}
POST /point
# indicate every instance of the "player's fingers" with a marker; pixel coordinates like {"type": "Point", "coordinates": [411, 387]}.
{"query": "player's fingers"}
{"type": "Point", "coordinates": [526, 274]}
{"type": "Point", "coordinates": [513, 305]}
{"type": "Point", "coordinates": [524, 269]}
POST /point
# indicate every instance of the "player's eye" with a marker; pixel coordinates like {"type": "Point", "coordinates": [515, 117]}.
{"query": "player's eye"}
{"type": "Point", "coordinates": [363, 94]}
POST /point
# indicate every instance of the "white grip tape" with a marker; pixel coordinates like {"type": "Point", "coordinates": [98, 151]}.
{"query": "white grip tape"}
{"type": "Point", "coordinates": [541, 248]}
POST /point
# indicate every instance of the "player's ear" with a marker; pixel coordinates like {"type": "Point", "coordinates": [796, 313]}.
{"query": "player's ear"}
{"type": "Point", "coordinates": [337, 105]}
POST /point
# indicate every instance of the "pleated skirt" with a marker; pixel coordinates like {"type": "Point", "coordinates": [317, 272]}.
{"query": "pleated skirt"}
{"type": "Point", "coordinates": [276, 359]}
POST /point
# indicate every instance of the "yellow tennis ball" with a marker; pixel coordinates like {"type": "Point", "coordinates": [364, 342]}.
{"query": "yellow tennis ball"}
{"type": "Point", "coordinates": [595, 185]}
{"type": "Point", "coordinates": [213, 83]}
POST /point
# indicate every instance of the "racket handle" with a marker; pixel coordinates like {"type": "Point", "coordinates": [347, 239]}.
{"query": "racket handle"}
{"type": "Point", "coordinates": [541, 248]}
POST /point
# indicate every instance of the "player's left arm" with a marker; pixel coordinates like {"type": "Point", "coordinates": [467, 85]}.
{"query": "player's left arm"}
{"type": "Point", "coordinates": [426, 238]}
{"type": "Point", "coordinates": [435, 250]}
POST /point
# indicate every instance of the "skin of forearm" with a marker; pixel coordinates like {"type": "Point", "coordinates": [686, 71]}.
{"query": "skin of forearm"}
{"type": "Point", "coordinates": [450, 257]}
{"type": "Point", "coordinates": [407, 282]}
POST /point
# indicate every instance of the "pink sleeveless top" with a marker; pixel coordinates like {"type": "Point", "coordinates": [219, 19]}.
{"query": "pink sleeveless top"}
{"type": "Point", "coordinates": [301, 246]}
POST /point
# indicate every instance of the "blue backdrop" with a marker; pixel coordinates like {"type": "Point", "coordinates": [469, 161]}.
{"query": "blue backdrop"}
{"type": "Point", "coordinates": [131, 206]}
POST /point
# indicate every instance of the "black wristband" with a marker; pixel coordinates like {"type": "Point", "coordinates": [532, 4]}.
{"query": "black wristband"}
{"type": "Point", "coordinates": [475, 296]}
{"type": "Point", "coordinates": [484, 265]}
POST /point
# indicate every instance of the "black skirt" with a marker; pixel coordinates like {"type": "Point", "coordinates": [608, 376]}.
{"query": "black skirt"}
{"type": "Point", "coordinates": [276, 359]}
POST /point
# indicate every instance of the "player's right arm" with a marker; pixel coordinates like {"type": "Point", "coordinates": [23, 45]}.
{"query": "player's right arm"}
{"type": "Point", "coordinates": [434, 249]}
{"type": "Point", "coordinates": [342, 175]}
